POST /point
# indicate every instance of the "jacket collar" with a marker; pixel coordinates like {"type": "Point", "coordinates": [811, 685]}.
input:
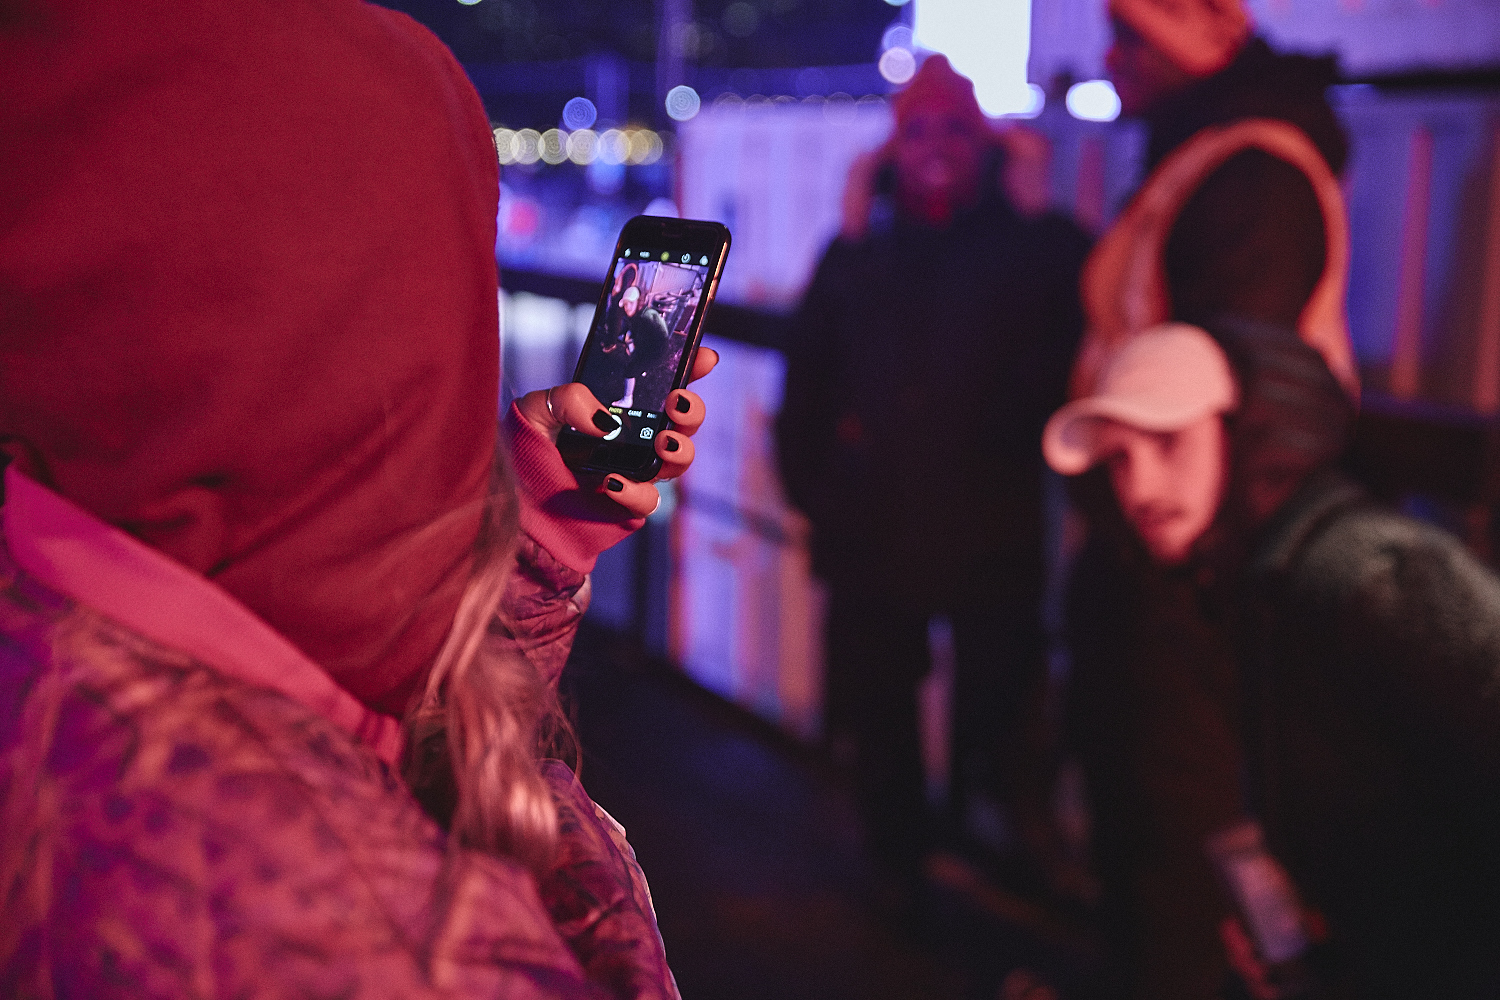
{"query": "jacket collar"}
{"type": "Point", "coordinates": [122, 578]}
{"type": "Point", "coordinates": [1324, 495]}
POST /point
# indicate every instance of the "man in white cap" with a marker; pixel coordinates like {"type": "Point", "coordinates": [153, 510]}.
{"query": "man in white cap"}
{"type": "Point", "coordinates": [1349, 798]}
{"type": "Point", "coordinates": [1157, 422]}
{"type": "Point", "coordinates": [1240, 214]}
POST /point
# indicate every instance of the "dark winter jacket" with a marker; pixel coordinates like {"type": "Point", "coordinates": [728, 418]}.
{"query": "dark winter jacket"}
{"type": "Point", "coordinates": [922, 365]}
{"type": "Point", "coordinates": [1370, 648]}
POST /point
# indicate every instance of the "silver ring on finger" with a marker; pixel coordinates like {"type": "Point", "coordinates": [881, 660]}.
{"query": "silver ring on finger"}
{"type": "Point", "coordinates": [551, 412]}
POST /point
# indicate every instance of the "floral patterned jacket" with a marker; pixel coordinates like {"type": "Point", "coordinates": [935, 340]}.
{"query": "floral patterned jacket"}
{"type": "Point", "coordinates": [170, 829]}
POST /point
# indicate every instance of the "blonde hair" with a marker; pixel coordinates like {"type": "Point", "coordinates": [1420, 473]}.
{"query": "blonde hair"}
{"type": "Point", "coordinates": [487, 716]}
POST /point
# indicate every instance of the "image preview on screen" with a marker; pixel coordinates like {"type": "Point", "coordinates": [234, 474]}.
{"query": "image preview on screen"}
{"type": "Point", "coordinates": [639, 336]}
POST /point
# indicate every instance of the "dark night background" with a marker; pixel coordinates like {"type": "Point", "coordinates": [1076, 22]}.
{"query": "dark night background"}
{"type": "Point", "coordinates": [539, 52]}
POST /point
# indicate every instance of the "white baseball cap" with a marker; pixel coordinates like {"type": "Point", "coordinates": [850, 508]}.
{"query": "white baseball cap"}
{"type": "Point", "coordinates": [1162, 379]}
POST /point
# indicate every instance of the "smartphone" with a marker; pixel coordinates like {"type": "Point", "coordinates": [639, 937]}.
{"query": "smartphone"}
{"type": "Point", "coordinates": [643, 339]}
{"type": "Point", "coordinates": [1269, 906]}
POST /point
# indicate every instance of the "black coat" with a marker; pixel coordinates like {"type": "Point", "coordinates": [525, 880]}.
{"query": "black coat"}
{"type": "Point", "coordinates": [1333, 671]}
{"type": "Point", "coordinates": [921, 367]}
{"type": "Point", "coordinates": [1370, 645]}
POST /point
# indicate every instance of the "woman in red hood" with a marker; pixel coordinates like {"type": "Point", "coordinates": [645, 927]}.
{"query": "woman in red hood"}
{"type": "Point", "coordinates": [267, 578]}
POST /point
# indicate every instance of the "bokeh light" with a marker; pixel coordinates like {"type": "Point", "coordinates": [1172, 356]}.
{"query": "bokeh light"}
{"type": "Point", "coordinates": [554, 146]}
{"type": "Point", "coordinates": [505, 145]}
{"type": "Point", "coordinates": [583, 146]}
{"type": "Point", "coordinates": [580, 113]}
{"type": "Point", "coordinates": [614, 147]}
{"type": "Point", "coordinates": [1093, 101]}
{"type": "Point", "coordinates": [898, 65]}
{"type": "Point", "coordinates": [897, 36]}
{"type": "Point", "coordinates": [839, 109]}
{"type": "Point", "coordinates": [682, 103]}
{"type": "Point", "coordinates": [528, 146]}
{"type": "Point", "coordinates": [645, 147]}
{"type": "Point", "coordinates": [611, 148]}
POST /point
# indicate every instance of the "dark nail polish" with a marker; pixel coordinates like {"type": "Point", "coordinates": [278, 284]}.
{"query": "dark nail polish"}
{"type": "Point", "coordinates": [672, 444]}
{"type": "Point", "coordinates": [615, 485]}
{"type": "Point", "coordinates": [683, 404]}
{"type": "Point", "coordinates": [605, 421]}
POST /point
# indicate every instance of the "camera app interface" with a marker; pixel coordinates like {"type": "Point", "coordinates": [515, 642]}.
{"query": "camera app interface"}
{"type": "Point", "coordinates": [638, 340]}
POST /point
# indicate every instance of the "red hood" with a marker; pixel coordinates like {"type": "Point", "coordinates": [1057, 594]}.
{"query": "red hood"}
{"type": "Point", "coordinates": [247, 275]}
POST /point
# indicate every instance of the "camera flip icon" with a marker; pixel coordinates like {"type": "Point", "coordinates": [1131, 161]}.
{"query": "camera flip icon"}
{"type": "Point", "coordinates": [647, 433]}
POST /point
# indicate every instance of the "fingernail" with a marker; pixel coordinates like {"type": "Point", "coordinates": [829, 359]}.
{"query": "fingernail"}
{"type": "Point", "coordinates": [672, 444]}
{"type": "Point", "coordinates": [605, 421]}
{"type": "Point", "coordinates": [683, 404]}
{"type": "Point", "coordinates": [614, 485]}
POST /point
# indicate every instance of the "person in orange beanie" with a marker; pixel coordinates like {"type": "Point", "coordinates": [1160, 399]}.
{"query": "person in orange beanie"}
{"type": "Point", "coordinates": [930, 345]}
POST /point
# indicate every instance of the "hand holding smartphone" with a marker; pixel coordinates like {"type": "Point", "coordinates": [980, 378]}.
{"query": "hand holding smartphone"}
{"type": "Point", "coordinates": [644, 336]}
{"type": "Point", "coordinates": [1270, 944]}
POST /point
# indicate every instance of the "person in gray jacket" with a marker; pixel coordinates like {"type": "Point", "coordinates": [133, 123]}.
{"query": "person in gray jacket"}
{"type": "Point", "coordinates": [1364, 659]}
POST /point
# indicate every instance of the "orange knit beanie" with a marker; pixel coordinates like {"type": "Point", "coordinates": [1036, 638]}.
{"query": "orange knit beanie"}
{"type": "Point", "coordinates": [938, 86]}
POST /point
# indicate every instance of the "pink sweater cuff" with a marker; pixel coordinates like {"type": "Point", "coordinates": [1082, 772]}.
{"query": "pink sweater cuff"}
{"type": "Point", "coordinates": [572, 523]}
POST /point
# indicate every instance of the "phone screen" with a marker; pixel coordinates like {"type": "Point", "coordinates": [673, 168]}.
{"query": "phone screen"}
{"type": "Point", "coordinates": [636, 345]}
{"type": "Point", "coordinates": [646, 327]}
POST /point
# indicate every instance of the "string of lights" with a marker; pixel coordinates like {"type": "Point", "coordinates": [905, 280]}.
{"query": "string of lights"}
{"type": "Point", "coordinates": [629, 146]}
